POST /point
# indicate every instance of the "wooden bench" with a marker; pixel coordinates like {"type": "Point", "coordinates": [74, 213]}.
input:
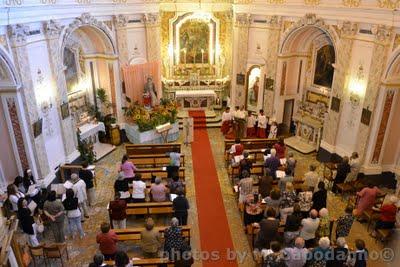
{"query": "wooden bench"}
{"type": "Point", "coordinates": [256, 169]}
{"type": "Point", "coordinates": [153, 262]}
{"type": "Point", "coordinates": [133, 234]}
{"type": "Point", "coordinates": [251, 143]}
{"type": "Point", "coordinates": [147, 208]}
{"type": "Point", "coordinates": [159, 172]}
{"type": "Point", "coordinates": [153, 160]}
{"type": "Point", "coordinates": [151, 149]}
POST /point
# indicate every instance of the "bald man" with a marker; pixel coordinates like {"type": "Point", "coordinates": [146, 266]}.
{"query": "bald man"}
{"type": "Point", "coordinates": [310, 226]}
{"type": "Point", "coordinates": [296, 256]}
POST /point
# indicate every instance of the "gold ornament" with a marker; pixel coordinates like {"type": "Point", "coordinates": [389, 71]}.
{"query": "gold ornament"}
{"type": "Point", "coordinates": [351, 3]}
{"type": "Point", "coordinates": [391, 4]}
{"type": "Point", "coordinates": [312, 2]}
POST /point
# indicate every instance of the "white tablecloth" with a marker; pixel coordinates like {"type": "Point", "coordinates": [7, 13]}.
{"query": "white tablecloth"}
{"type": "Point", "coordinates": [195, 93]}
{"type": "Point", "coordinates": [90, 129]}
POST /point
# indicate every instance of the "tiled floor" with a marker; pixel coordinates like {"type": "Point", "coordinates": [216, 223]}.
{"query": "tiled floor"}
{"type": "Point", "coordinates": [82, 251]}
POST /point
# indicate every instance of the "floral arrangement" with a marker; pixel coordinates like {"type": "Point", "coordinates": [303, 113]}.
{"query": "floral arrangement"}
{"type": "Point", "coordinates": [147, 119]}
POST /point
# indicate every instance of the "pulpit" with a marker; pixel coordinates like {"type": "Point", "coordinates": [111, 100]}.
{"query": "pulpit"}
{"type": "Point", "coordinates": [195, 99]}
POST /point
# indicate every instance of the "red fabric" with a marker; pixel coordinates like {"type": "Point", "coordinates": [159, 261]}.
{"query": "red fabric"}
{"type": "Point", "coordinates": [213, 223]}
{"type": "Point", "coordinates": [135, 77]}
{"type": "Point", "coordinates": [280, 150]}
{"type": "Point", "coordinates": [226, 125]}
{"type": "Point", "coordinates": [107, 242]}
{"type": "Point", "coordinates": [118, 209]}
{"type": "Point", "coordinates": [388, 213]}
{"type": "Point", "coordinates": [261, 133]}
{"type": "Point", "coordinates": [251, 132]}
{"type": "Point", "coordinates": [239, 148]}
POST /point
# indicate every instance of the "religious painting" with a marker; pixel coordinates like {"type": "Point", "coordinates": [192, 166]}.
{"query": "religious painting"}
{"type": "Point", "coordinates": [268, 84]}
{"type": "Point", "coordinates": [240, 79]}
{"type": "Point", "coordinates": [366, 116]}
{"type": "Point", "coordinates": [71, 70]}
{"type": "Point", "coordinates": [37, 127]}
{"type": "Point", "coordinates": [253, 88]}
{"type": "Point", "coordinates": [323, 75]}
{"type": "Point", "coordinates": [194, 38]}
{"type": "Point", "coordinates": [64, 111]}
{"type": "Point", "coordinates": [335, 104]}
{"type": "Point", "coordinates": [317, 98]}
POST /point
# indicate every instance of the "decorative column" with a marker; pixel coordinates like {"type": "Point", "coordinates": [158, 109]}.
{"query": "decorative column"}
{"type": "Point", "coordinates": [52, 32]}
{"type": "Point", "coordinates": [271, 60]}
{"type": "Point", "coordinates": [383, 36]}
{"type": "Point", "coordinates": [153, 35]}
{"type": "Point", "coordinates": [340, 80]}
{"type": "Point", "coordinates": [18, 35]}
{"type": "Point", "coordinates": [120, 22]}
{"type": "Point", "coordinates": [240, 51]}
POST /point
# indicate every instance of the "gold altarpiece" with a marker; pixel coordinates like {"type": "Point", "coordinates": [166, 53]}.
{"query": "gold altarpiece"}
{"type": "Point", "coordinates": [196, 51]}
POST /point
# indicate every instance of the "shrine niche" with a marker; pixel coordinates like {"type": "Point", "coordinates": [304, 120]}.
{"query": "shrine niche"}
{"type": "Point", "coordinates": [253, 88]}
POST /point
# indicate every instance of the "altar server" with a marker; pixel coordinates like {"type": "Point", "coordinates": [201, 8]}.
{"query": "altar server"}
{"type": "Point", "coordinates": [262, 124]}
{"type": "Point", "coordinates": [226, 121]}
{"type": "Point", "coordinates": [273, 130]}
{"type": "Point", "coordinates": [240, 118]}
{"type": "Point", "coordinates": [251, 121]}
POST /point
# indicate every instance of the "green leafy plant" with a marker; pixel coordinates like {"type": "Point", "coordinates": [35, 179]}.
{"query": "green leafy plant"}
{"type": "Point", "coordinates": [86, 150]}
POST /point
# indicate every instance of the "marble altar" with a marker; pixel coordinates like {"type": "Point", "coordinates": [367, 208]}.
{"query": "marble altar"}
{"type": "Point", "coordinates": [150, 137]}
{"type": "Point", "coordinates": [89, 132]}
{"type": "Point", "coordinates": [196, 99]}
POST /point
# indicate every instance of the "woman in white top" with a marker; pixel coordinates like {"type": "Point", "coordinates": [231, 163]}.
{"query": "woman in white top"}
{"type": "Point", "coordinates": [79, 188]}
{"type": "Point", "coordinates": [14, 195]}
{"type": "Point", "coordinates": [138, 189]}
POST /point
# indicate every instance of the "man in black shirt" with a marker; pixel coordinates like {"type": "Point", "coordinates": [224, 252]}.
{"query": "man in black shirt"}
{"type": "Point", "coordinates": [87, 176]}
{"type": "Point", "coordinates": [181, 206]}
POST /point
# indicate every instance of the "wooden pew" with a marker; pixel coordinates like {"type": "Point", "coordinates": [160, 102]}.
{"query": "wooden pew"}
{"type": "Point", "coordinates": [159, 172]}
{"type": "Point", "coordinates": [147, 209]}
{"type": "Point", "coordinates": [257, 169]}
{"type": "Point", "coordinates": [252, 143]}
{"type": "Point", "coordinates": [153, 262]}
{"type": "Point", "coordinates": [133, 234]}
{"type": "Point", "coordinates": [151, 149]}
{"type": "Point", "coordinates": [153, 160]}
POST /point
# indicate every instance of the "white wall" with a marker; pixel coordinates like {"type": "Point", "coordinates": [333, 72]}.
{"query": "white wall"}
{"type": "Point", "coordinates": [136, 39]}
{"type": "Point", "coordinates": [46, 90]}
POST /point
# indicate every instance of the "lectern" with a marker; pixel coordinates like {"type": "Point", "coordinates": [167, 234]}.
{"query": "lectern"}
{"type": "Point", "coordinates": [163, 130]}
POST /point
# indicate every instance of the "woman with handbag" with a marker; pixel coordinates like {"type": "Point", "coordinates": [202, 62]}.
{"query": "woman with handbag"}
{"type": "Point", "coordinates": [28, 224]}
{"type": "Point", "coordinates": [73, 213]}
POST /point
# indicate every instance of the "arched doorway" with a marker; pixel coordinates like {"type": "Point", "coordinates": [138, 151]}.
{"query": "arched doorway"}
{"type": "Point", "coordinates": [90, 63]}
{"type": "Point", "coordinates": [383, 154]}
{"type": "Point", "coordinates": [305, 76]}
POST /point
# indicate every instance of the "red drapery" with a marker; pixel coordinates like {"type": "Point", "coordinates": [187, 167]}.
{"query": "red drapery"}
{"type": "Point", "coordinates": [135, 77]}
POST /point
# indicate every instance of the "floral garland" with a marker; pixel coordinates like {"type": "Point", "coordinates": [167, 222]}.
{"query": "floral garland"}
{"type": "Point", "coordinates": [147, 119]}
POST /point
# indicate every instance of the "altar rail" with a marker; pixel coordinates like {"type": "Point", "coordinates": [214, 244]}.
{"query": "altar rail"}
{"type": "Point", "coordinates": [147, 149]}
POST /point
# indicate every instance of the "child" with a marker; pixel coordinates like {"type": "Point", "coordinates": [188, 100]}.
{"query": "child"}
{"type": "Point", "coordinates": [251, 121]}
{"type": "Point", "coordinates": [262, 124]}
{"type": "Point", "coordinates": [226, 121]}
{"type": "Point", "coordinates": [273, 130]}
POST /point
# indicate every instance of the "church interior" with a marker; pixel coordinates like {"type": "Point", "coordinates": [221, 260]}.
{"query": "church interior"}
{"type": "Point", "coordinates": [200, 133]}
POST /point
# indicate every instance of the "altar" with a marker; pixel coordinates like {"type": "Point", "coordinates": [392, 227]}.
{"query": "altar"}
{"type": "Point", "coordinates": [89, 132]}
{"type": "Point", "coordinates": [308, 133]}
{"type": "Point", "coordinates": [195, 99]}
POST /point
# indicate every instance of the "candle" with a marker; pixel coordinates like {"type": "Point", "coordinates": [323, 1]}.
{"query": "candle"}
{"type": "Point", "coordinates": [202, 56]}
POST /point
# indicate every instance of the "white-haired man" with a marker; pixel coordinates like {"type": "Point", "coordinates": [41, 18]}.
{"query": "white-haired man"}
{"type": "Point", "coordinates": [296, 256]}
{"type": "Point", "coordinates": [79, 188]}
{"type": "Point", "coordinates": [272, 163]}
{"type": "Point", "coordinates": [310, 226]}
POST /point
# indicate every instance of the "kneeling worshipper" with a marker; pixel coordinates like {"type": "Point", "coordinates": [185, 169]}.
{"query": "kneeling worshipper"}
{"type": "Point", "coordinates": [366, 199]}
{"type": "Point", "coordinates": [226, 121]}
{"type": "Point", "coordinates": [387, 217]}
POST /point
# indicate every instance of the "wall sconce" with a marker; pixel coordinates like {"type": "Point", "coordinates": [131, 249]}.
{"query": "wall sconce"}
{"type": "Point", "coordinates": [43, 93]}
{"type": "Point", "coordinates": [357, 88]}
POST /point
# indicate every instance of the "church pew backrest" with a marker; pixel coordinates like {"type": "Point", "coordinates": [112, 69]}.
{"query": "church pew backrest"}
{"type": "Point", "coordinates": [257, 143]}
{"type": "Point", "coordinates": [133, 234]}
{"type": "Point", "coordinates": [146, 149]}
{"type": "Point", "coordinates": [147, 208]}
{"type": "Point", "coordinates": [153, 160]}
{"type": "Point", "coordinates": [152, 262]}
{"type": "Point", "coordinates": [159, 172]}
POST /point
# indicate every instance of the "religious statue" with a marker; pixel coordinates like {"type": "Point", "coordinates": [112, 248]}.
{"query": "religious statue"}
{"type": "Point", "coordinates": [253, 94]}
{"type": "Point", "coordinates": [150, 93]}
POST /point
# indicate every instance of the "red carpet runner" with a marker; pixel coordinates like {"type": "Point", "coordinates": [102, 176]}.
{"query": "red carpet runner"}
{"type": "Point", "coordinates": [215, 236]}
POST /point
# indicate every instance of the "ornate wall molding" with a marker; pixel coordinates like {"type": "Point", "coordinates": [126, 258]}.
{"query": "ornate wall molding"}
{"type": "Point", "coordinates": [274, 21]}
{"type": "Point", "coordinates": [276, 1]}
{"type": "Point", "coordinates": [52, 28]}
{"type": "Point", "coordinates": [391, 4]}
{"type": "Point", "coordinates": [121, 20]}
{"type": "Point", "coordinates": [18, 34]}
{"type": "Point", "coordinates": [242, 19]}
{"type": "Point", "coordinates": [151, 19]}
{"type": "Point", "coordinates": [382, 33]}
{"type": "Point", "coordinates": [312, 2]}
{"type": "Point", "coordinates": [348, 28]}
{"type": "Point", "coordinates": [351, 3]}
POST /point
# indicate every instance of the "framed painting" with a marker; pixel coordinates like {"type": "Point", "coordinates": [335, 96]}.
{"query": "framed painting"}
{"type": "Point", "coordinates": [37, 127]}
{"type": "Point", "coordinates": [335, 104]}
{"type": "Point", "coordinates": [240, 79]}
{"type": "Point", "coordinates": [268, 84]}
{"type": "Point", "coordinates": [64, 111]}
{"type": "Point", "coordinates": [317, 98]}
{"type": "Point", "coordinates": [323, 75]}
{"type": "Point", "coordinates": [366, 116]}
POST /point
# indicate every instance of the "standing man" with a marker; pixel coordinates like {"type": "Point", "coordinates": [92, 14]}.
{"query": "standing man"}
{"type": "Point", "coordinates": [87, 176]}
{"type": "Point", "coordinates": [79, 188]}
